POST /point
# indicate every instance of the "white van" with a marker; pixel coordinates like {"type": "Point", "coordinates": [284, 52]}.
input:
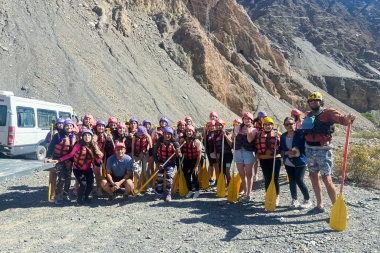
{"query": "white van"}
{"type": "Point", "coordinates": [24, 124]}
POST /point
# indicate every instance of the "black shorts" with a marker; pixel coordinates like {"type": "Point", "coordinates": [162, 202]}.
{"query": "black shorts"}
{"type": "Point", "coordinates": [117, 179]}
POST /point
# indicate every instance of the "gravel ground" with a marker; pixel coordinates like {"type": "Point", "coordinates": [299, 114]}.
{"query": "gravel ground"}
{"type": "Point", "coordinates": [208, 224]}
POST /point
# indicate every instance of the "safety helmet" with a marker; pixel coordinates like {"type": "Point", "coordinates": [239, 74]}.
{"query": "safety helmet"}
{"type": "Point", "coordinates": [188, 118]}
{"type": "Point", "coordinates": [262, 114]}
{"type": "Point", "coordinates": [87, 131]}
{"type": "Point", "coordinates": [211, 123]}
{"type": "Point", "coordinates": [79, 123]}
{"type": "Point", "coordinates": [296, 112]}
{"type": "Point", "coordinates": [237, 121]}
{"type": "Point", "coordinates": [248, 115]}
{"type": "Point", "coordinates": [67, 122]}
{"type": "Point", "coordinates": [133, 119]}
{"type": "Point", "coordinates": [59, 120]}
{"type": "Point", "coordinates": [121, 125]}
{"type": "Point", "coordinates": [112, 120]}
{"type": "Point", "coordinates": [267, 120]}
{"type": "Point", "coordinates": [315, 96]}
{"type": "Point", "coordinates": [213, 114]}
{"type": "Point", "coordinates": [168, 130]}
{"type": "Point", "coordinates": [146, 121]}
{"type": "Point", "coordinates": [190, 127]}
{"type": "Point", "coordinates": [181, 122]}
{"type": "Point", "coordinates": [88, 116]}
{"type": "Point", "coordinates": [219, 121]}
{"type": "Point", "coordinates": [141, 130]}
{"type": "Point", "coordinates": [164, 119]}
{"type": "Point", "coordinates": [101, 122]}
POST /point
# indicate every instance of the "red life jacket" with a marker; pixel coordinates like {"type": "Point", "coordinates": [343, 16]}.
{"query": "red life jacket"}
{"type": "Point", "coordinates": [189, 150]}
{"type": "Point", "coordinates": [165, 151]}
{"type": "Point", "coordinates": [141, 144]}
{"type": "Point", "coordinates": [101, 141]}
{"type": "Point", "coordinates": [180, 134]}
{"type": "Point", "coordinates": [266, 141]}
{"type": "Point", "coordinates": [64, 147]}
{"type": "Point", "coordinates": [258, 126]}
{"type": "Point", "coordinates": [219, 144]}
{"type": "Point", "coordinates": [242, 141]}
{"type": "Point", "coordinates": [82, 157]}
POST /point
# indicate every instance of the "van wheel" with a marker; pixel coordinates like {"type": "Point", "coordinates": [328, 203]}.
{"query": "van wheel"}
{"type": "Point", "coordinates": [40, 153]}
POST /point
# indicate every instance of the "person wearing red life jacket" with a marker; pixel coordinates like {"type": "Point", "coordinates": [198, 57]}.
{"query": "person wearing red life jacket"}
{"type": "Point", "coordinates": [100, 137]}
{"type": "Point", "coordinates": [192, 151]}
{"type": "Point", "coordinates": [141, 143]}
{"type": "Point", "coordinates": [158, 131]}
{"type": "Point", "coordinates": [245, 154]}
{"type": "Point", "coordinates": [266, 145]}
{"type": "Point", "coordinates": [211, 152]}
{"type": "Point", "coordinates": [212, 117]}
{"type": "Point", "coordinates": [85, 155]}
{"type": "Point", "coordinates": [180, 133]}
{"type": "Point", "coordinates": [112, 124]}
{"type": "Point", "coordinates": [132, 130]}
{"type": "Point", "coordinates": [62, 144]}
{"type": "Point", "coordinates": [297, 115]}
{"type": "Point", "coordinates": [163, 150]}
{"type": "Point", "coordinates": [148, 125]}
{"type": "Point", "coordinates": [258, 124]}
{"type": "Point", "coordinates": [220, 136]}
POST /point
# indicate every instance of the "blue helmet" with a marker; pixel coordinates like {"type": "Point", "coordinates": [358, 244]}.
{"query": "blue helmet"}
{"type": "Point", "coordinates": [262, 114]}
{"type": "Point", "coordinates": [141, 130]}
{"type": "Point", "coordinates": [67, 122]}
{"type": "Point", "coordinates": [164, 119]}
{"type": "Point", "coordinates": [59, 120]}
{"type": "Point", "coordinates": [87, 131]}
{"type": "Point", "coordinates": [146, 121]}
{"type": "Point", "coordinates": [131, 120]}
{"type": "Point", "coordinates": [168, 130]}
{"type": "Point", "coordinates": [101, 122]}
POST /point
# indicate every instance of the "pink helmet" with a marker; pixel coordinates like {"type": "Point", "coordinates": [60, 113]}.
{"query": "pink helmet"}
{"type": "Point", "coordinates": [248, 115]}
{"type": "Point", "coordinates": [88, 116]}
{"type": "Point", "coordinates": [121, 125]}
{"type": "Point", "coordinates": [296, 112]}
{"type": "Point", "coordinates": [237, 121]}
{"type": "Point", "coordinates": [188, 118]}
{"type": "Point", "coordinates": [189, 127]}
{"type": "Point", "coordinates": [181, 122]}
{"type": "Point", "coordinates": [211, 123]}
{"type": "Point", "coordinates": [213, 114]}
{"type": "Point", "coordinates": [219, 121]}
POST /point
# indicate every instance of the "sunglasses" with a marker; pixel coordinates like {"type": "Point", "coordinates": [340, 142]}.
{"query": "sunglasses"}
{"type": "Point", "coordinates": [289, 124]}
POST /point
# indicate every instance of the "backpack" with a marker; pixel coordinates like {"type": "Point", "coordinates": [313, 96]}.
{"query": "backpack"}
{"type": "Point", "coordinates": [309, 122]}
{"type": "Point", "coordinates": [311, 125]}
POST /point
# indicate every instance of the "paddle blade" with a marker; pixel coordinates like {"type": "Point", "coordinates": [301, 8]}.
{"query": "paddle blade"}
{"type": "Point", "coordinates": [221, 187]}
{"type": "Point", "coordinates": [182, 184]}
{"type": "Point", "coordinates": [104, 171]}
{"type": "Point", "coordinates": [204, 183]}
{"type": "Point", "coordinates": [270, 197]}
{"type": "Point", "coordinates": [175, 182]}
{"type": "Point", "coordinates": [135, 180]}
{"type": "Point", "coordinates": [338, 217]}
{"type": "Point", "coordinates": [237, 184]}
{"type": "Point", "coordinates": [230, 195]}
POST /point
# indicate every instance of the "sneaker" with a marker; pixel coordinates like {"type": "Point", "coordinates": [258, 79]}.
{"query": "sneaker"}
{"type": "Point", "coordinates": [58, 200]}
{"type": "Point", "coordinates": [278, 201]}
{"type": "Point", "coordinates": [87, 200]}
{"type": "Point", "coordinates": [306, 204]}
{"type": "Point", "coordinates": [211, 182]}
{"type": "Point", "coordinates": [189, 194]}
{"type": "Point", "coordinates": [111, 198]}
{"type": "Point", "coordinates": [244, 199]}
{"type": "Point", "coordinates": [158, 196]}
{"type": "Point", "coordinates": [196, 195]}
{"type": "Point", "coordinates": [66, 197]}
{"type": "Point", "coordinates": [168, 198]}
{"type": "Point", "coordinates": [294, 203]}
{"type": "Point", "coordinates": [99, 192]}
{"type": "Point", "coordinates": [125, 198]}
{"type": "Point", "coordinates": [80, 202]}
{"type": "Point", "coordinates": [75, 191]}
{"type": "Point", "coordinates": [316, 210]}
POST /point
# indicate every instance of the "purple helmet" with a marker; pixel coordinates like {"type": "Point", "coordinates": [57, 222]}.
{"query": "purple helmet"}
{"type": "Point", "coordinates": [131, 120]}
{"type": "Point", "coordinates": [164, 119]}
{"type": "Point", "coordinates": [67, 122]}
{"type": "Point", "coordinates": [168, 130]}
{"type": "Point", "coordinates": [146, 121]}
{"type": "Point", "coordinates": [141, 130]}
{"type": "Point", "coordinates": [87, 131]}
{"type": "Point", "coordinates": [59, 120]}
{"type": "Point", "coordinates": [101, 122]}
{"type": "Point", "coordinates": [262, 114]}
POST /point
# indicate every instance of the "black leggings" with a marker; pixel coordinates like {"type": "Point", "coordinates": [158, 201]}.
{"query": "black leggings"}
{"type": "Point", "coordinates": [267, 168]}
{"type": "Point", "coordinates": [296, 175]}
{"type": "Point", "coordinates": [188, 166]}
{"type": "Point", "coordinates": [86, 180]}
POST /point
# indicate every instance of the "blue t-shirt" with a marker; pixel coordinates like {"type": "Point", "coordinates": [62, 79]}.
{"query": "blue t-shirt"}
{"type": "Point", "coordinates": [119, 168]}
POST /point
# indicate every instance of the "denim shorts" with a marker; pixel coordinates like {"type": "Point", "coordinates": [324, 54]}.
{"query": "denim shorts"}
{"type": "Point", "coordinates": [320, 160]}
{"type": "Point", "coordinates": [244, 156]}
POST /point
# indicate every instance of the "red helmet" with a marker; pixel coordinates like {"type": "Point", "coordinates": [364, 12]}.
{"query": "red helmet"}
{"type": "Point", "coordinates": [296, 112]}
{"type": "Point", "coordinates": [219, 121]}
{"type": "Point", "coordinates": [189, 127]}
{"type": "Point", "coordinates": [181, 122]}
{"type": "Point", "coordinates": [211, 123]}
{"type": "Point", "coordinates": [248, 115]}
{"type": "Point", "coordinates": [188, 118]}
{"type": "Point", "coordinates": [112, 120]}
{"type": "Point", "coordinates": [237, 121]}
{"type": "Point", "coordinates": [121, 125]}
{"type": "Point", "coordinates": [88, 116]}
{"type": "Point", "coordinates": [213, 114]}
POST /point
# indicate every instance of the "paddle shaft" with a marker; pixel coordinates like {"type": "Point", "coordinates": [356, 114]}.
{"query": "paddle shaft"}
{"type": "Point", "coordinates": [345, 156]}
{"type": "Point", "coordinates": [275, 151]}
{"type": "Point", "coordinates": [221, 166]}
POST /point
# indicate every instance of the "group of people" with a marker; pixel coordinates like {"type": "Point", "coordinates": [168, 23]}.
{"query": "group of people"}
{"type": "Point", "coordinates": [116, 155]}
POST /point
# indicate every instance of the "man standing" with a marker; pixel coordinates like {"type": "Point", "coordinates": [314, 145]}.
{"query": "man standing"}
{"type": "Point", "coordinates": [318, 127]}
{"type": "Point", "coordinates": [119, 172]}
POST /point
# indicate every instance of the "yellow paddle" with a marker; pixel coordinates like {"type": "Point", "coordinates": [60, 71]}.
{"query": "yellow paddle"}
{"type": "Point", "coordinates": [271, 194]}
{"type": "Point", "coordinates": [221, 187]}
{"type": "Point", "coordinates": [233, 192]}
{"type": "Point", "coordinates": [338, 217]}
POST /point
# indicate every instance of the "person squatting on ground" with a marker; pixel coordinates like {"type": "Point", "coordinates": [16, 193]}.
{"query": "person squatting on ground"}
{"type": "Point", "coordinates": [266, 144]}
{"type": "Point", "coordinates": [292, 147]}
{"type": "Point", "coordinates": [244, 136]}
{"type": "Point", "coordinates": [119, 173]}
{"type": "Point", "coordinates": [62, 144]}
{"type": "Point", "coordinates": [223, 149]}
{"type": "Point", "coordinates": [85, 155]}
{"type": "Point", "coordinates": [192, 152]}
{"type": "Point", "coordinates": [163, 150]}
{"type": "Point", "coordinates": [318, 127]}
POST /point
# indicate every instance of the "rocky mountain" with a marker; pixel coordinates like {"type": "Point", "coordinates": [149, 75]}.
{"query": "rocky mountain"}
{"type": "Point", "coordinates": [163, 57]}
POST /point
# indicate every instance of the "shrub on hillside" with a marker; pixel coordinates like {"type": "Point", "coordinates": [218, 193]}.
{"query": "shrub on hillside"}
{"type": "Point", "coordinates": [363, 165]}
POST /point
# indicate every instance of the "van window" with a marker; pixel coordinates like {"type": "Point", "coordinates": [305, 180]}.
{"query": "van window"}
{"type": "Point", "coordinates": [45, 117]}
{"type": "Point", "coordinates": [64, 115]}
{"type": "Point", "coordinates": [25, 117]}
{"type": "Point", "coordinates": [3, 115]}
